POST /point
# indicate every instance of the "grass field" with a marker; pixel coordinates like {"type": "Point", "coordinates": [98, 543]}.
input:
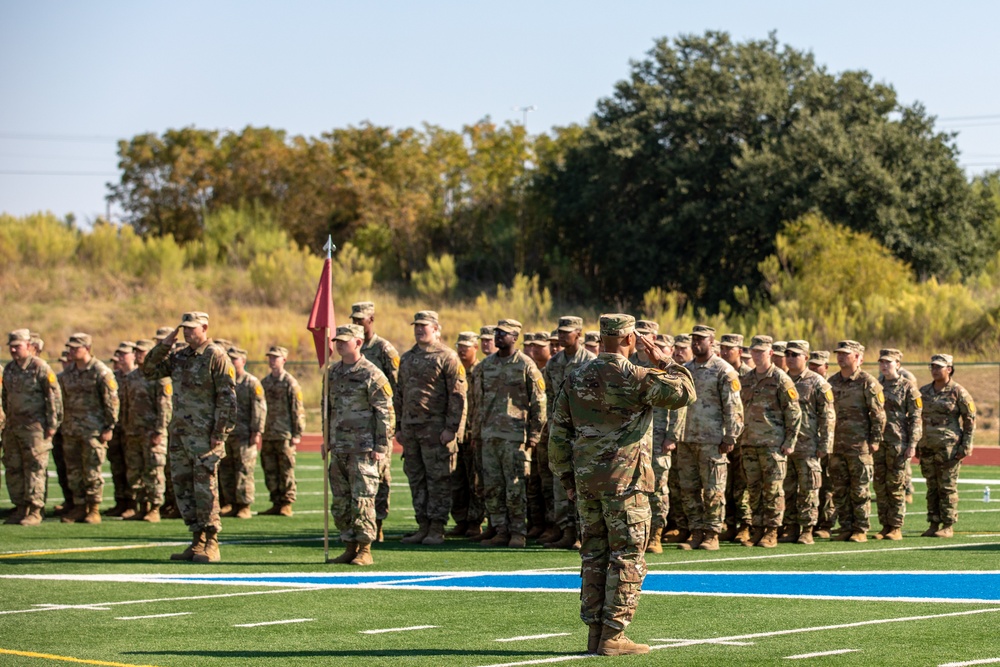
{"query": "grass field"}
{"type": "Point", "coordinates": [108, 594]}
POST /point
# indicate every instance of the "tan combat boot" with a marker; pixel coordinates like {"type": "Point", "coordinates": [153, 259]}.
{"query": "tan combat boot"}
{"type": "Point", "coordinates": [458, 530]}
{"type": "Point", "coordinates": [435, 534]}
{"type": "Point", "coordinates": [227, 510]}
{"type": "Point", "coordinates": [285, 510]}
{"type": "Point", "coordinates": [931, 531]}
{"type": "Point", "coordinates": [769, 539]}
{"type": "Point", "coordinates": [791, 535]}
{"type": "Point", "coordinates": [33, 517]}
{"type": "Point", "coordinates": [418, 537]}
{"type": "Point", "coordinates": [517, 541]}
{"type": "Point", "coordinates": [821, 533]}
{"type": "Point", "coordinates": [93, 513]}
{"type": "Point", "coordinates": [695, 539]}
{"type": "Point", "coordinates": [681, 535]}
{"type": "Point", "coordinates": [119, 507]}
{"type": "Point", "coordinates": [499, 540]}
{"type": "Point", "coordinates": [755, 536]}
{"type": "Point", "coordinates": [273, 510]}
{"type": "Point", "coordinates": [895, 534]}
{"type": "Point", "coordinates": [945, 531]}
{"type": "Point", "coordinates": [550, 534]}
{"type": "Point", "coordinates": [842, 536]}
{"type": "Point", "coordinates": [15, 517]}
{"type": "Point", "coordinates": [130, 511]}
{"type": "Point", "coordinates": [729, 533]}
{"type": "Point", "coordinates": [614, 642]}
{"type": "Point", "coordinates": [379, 535]}
{"type": "Point", "coordinates": [567, 541]}
{"type": "Point", "coordinates": [138, 512]}
{"type": "Point", "coordinates": [484, 535]}
{"type": "Point", "coordinates": [170, 512]}
{"type": "Point", "coordinates": [364, 555]}
{"type": "Point", "coordinates": [535, 531]}
{"type": "Point", "coordinates": [654, 546]}
{"type": "Point", "coordinates": [350, 551]}
{"type": "Point", "coordinates": [806, 536]}
{"type": "Point", "coordinates": [742, 535]}
{"type": "Point", "coordinates": [197, 546]}
{"type": "Point", "coordinates": [710, 541]}
{"type": "Point", "coordinates": [153, 515]}
{"type": "Point", "coordinates": [76, 514]}
{"type": "Point", "coordinates": [210, 552]}
{"type": "Point", "coordinates": [858, 536]}
{"type": "Point", "coordinates": [594, 637]}
{"type": "Point", "coordinates": [474, 530]}
{"type": "Point", "coordinates": [243, 512]}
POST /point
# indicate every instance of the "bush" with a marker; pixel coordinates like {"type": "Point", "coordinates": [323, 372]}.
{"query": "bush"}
{"type": "Point", "coordinates": [39, 241]}
{"type": "Point", "coordinates": [439, 280]}
{"type": "Point", "coordinates": [524, 300]}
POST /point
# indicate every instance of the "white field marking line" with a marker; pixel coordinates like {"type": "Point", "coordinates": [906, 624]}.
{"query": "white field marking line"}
{"type": "Point", "coordinates": [706, 641]}
{"type": "Point", "coordinates": [527, 637]}
{"type": "Point", "coordinates": [987, 661]}
{"type": "Point", "coordinates": [136, 618]}
{"type": "Point", "coordinates": [803, 656]}
{"type": "Point", "coordinates": [44, 552]}
{"type": "Point", "coordinates": [412, 627]}
{"type": "Point", "coordinates": [257, 625]}
{"type": "Point", "coordinates": [46, 607]}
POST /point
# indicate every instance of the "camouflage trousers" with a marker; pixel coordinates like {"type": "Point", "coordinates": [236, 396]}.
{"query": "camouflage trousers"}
{"type": "Point", "coordinates": [428, 466]}
{"type": "Point", "coordinates": [277, 458]}
{"type": "Point", "coordinates": [236, 470]}
{"type": "Point", "coordinates": [702, 472]}
{"type": "Point", "coordinates": [659, 497]}
{"type": "Point", "coordinates": [765, 471]}
{"type": "Point", "coordinates": [737, 500]}
{"type": "Point", "coordinates": [802, 483]}
{"type": "Point", "coordinates": [354, 482]}
{"type": "Point", "coordinates": [546, 479]}
{"type": "Point", "coordinates": [535, 498]}
{"type": "Point", "coordinates": [940, 469]}
{"type": "Point", "coordinates": [675, 510]}
{"type": "Point", "coordinates": [908, 477]}
{"type": "Point", "coordinates": [384, 484]}
{"type": "Point", "coordinates": [59, 458]}
{"type": "Point", "coordinates": [84, 457]}
{"type": "Point", "coordinates": [193, 467]}
{"type": "Point", "coordinates": [505, 472]}
{"type": "Point", "coordinates": [827, 510]}
{"type": "Point", "coordinates": [851, 475]}
{"type": "Point", "coordinates": [466, 503]}
{"type": "Point", "coordinates": [890, 484]}
{"type": "Point", "coordinates": [613, 535]}
{"type": "Point", "coordinates": [25, 458]}
{"type": "Point", "coordinates": [563, 508]}
{"type": "Point", "coordinates": [117, 457]}
{"type": "Point", "coordinates": [144, 465]}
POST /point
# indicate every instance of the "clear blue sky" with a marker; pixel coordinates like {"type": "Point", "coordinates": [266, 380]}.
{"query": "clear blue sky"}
{"type": "Point", "coordinates": [76, 76]}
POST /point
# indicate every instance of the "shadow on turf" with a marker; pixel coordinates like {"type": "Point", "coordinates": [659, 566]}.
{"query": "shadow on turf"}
{"type": "Point", "coordinates": [368, 653]}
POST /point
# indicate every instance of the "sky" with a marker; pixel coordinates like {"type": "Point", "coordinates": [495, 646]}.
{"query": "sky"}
{"type": "Point", "coordinates": [76, 77]}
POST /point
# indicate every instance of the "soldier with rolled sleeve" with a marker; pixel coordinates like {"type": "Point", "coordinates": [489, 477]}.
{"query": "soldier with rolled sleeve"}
{"type": "Point", "coordinates": [283, 428]}
{"type": "Point", "coordinates": [860, 406]}
{"type": "Point", "coordinates": [236, 470]}
{"type": "Point", "coordinates": [360, 425]}
{"type": "Point", "coordinates": [204, 400]}
{"type": "Point", "coordinates": [430, 406]}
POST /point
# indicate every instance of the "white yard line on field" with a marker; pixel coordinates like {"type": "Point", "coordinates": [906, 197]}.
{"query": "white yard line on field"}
{"type": "Point", "coordinates": [527, 637]}
{"type": "Point", "coordinates": [407, 629]}
{"type": "Point", "coordinates": [987, 661]}
{"type": "Point", "coordinates": [803, 656]}
{"type": "Point", "coordinates": [286, 622]}
{"type": "Point", "coordinates": [138, 618]}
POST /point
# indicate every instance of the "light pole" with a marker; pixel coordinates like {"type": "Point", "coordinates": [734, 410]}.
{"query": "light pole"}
{"type": "Point", "coordinates": [525, 110]}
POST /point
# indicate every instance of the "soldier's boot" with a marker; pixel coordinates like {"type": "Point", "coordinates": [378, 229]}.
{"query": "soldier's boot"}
{"type": "Point", "coordinates": [880, 535]}
{"type": "Point", "coordinates": [742, 535]}
{"type": "Point", "coordinates": [67, 506]}
{"type": "Point", "coordinates": [458, 530]}
{"type": "Point", "coordinates": [729, 533]}
{"type": "Point", "coordinates": [678, 537]}
{"type": "Point", "coordinates": [668, 535]}
{"type": "Point", "coordinates": [755, 536]}
{"type": "Point", "coordinates": [243, 512]}
{"type": "Point", "coordinates": [791, 535]}
{"type": "Point", "coordinates": [499, 540]}
{"type": "Point", "coordinates": [16, 516]}
{"type": "Point", "coordinates": [32, 517]}
{"type": "Point", "coordinates": [227, 510]}
{"type": "Point", "coordinates": [210, 552]}
{"type": "Point", "coordinates": [858, 536]}
{"type": "Point", "coordinates": [139, 512]}
{"type": "Point", "coordinates": [517, 541]}
{"type": "Point", "coordinates": [821, 533]}
{"type": "Point", "coordinates": [285, 510]}
{"type": "Point", "coordinates": [550, 534]}
{"type": "Point", "coordinates": [350, 551]}
{"type": "Point", "coordinates": [931, 531]}
{"type": "Point", "coordinates": [535, 531]}
{"type": "Point", "coordinates": [93, 514]}
{"type": "Point", "coordinates": [614, 642]}
{"type": "Point", "coordinates": [909, 498]}
{"type": "Point", "coordinates": [153, 515]}
{"type": "Point", "coordinates": [567, 541]}
{"type": "Point", "coordinates": [121, 504]}
{"type": "Point", "coordinates": [484, 535]}
{"type": "Point", "coordinates": [197, 546]}
{"type": "Point", "coordinates": [769, 539]}
{"type": "Point", "coordinates": [842, 536]}
{"type": "Point", "coordinates": [75, 514]}
{"type": "Point", "coordinates": [435, 534]}
{"type": "Point", "coordinates": [945, 531]}
{"type": "Point", "coordinates": [170, 512]}
{"type": "Point", "coordinates": [805, 536]}
{"type": "Point", "coordinates": [653, 546]}
{"type": "Point", "coordinates": [474, 530]}
{"type": "Point", "coordinates": [710, 541]}
{"type": "Point", "coordinates": [273, 510]}
{"type": "Point", "coordinates": [418, 537]}
{"type": "Point", "coordinates": [131, 510]}
{"type": "Point", "coordinates": [594, 637]}
{"type": "Point", "coordinates": [895, 534]}
{"type": "Point", "coordinates": [364, 555]}
{"type": "Point", "coordinates": [693, 541]}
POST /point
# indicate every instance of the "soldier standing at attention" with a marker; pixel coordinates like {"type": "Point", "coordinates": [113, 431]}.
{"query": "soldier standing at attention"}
{"type": "Point", "coordinates": [592, 342]}
{"type": "Point", "coordinates": [555, 347]}
{"type": "Point", "coordinates": [778, 349]}
{"type": "Point", "coordinates": [668, 425]}
{"type": "Point", "coordinates": [682, 349]}
{"type": "Point", "coordinates": [540, 512]}
{"type": "Point", "coordinates": [466, 508]}
{"type": "Point", "coordinates": [169, 508]}
{"type": "Point", "coordinates": [903, 429]}
{"type": "Point", "coordinates": [380, 352]}
{"type": "Point", "coordinates": [599, 449]}
{"type": "Point", "coordinates": [236, 470]}
{"type": "Point", "coordinates": [949, 423]}
{"type": "Point", "coordinates": [31, 405]}
{"type": "Point", "coordinates": [815, 442]}
{"type": "Point", "coordinates": [819, 363]}
{"type": "Point", "coordinates": [907, 468]}
{"type": "Point", "coordinates": [773, 418]}
{"type": "Point", "coordinates": [360, 427]}
{"type": "Point", "coordinates": [204, 385]}
{"type": "Point", "coordinates": [678, 521]}
{"type": "Point", "coordinates": [90, 412]}
{"type": "Point", "coordinates": [509, 420]}
{"type": "Point", "coordinates": [487, 346]}
{"type": "Point", "coordinates": [737, 506]}
{"type": "Point", "coordinates": [430, 407]}
{"type": "Point", "coordinates": [122, 363]}
{"type": "Point", "coordinates": [283, 428]}
{"type": "Point", "coordinates": [859, 402]}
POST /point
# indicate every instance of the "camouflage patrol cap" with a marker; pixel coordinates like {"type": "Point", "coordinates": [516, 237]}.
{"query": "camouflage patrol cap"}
{"type": "Point", "coordinates": [278, 351]}
{"type": "Point", "coordinates": [509, 326]}
{"type": "Point", "coordinates": [850, 346]}
{"type": "Point", "coordinates": [162, 333]}
{"type": "Point", "coordinates": [487, 331]}
{"type": "Point", "coordinates": [592, 337]}
{"type": "Point", "coordinates": [731, 340]}
{"type": "Point", "coordinates": [538, 338]}
{"type": "Point", "coordinates": [819, 357]}
{"type": "Point", "coordinates": [554, 336]}
{"type": "Point", "coordinates": [144, 345]}
{"type": "Point", "coordinates": [890, 354]}
{"type": "Point", "coordinates": [223, 343]}
{"type": "Point", "coordinates": [18, 336]}
{"type": "Point", "coordinates": [647, 327]}
{"type": "Point", "coordinates": [194, 319]}
{"type": "Point", "coordinates": [236, 352]}
{"type": "Point", "coordinates": [665, 339]}
{"type": "Point", "coordinates": [125, 347]}
{"type": "Point", "coordinates": [64, 356]}
{"type": "Point", "coordinates": [779, 347]}
{"type": "Point", "coordinates": [570, 323]}
{"type": "Point", "coordinates": [800, 346]}
{"type": "Point", "coordinates": [682, 340]}
{"type": "Point", "coordinates": [761, 343]}
{"type": "Point", "coordinates": [345, 332]}
{"type": "Point", "coordinates": [745, 352]}
{"type": "Point", "coordinates": [362, 309]}
{"type": "Point", "coordinates": [617, 324]}
{"type": "Point", "coordinates": [468, 339]}
{"type": "Point", "coordinates": [702, 331]}
{"type": "Point", "coordinates": [942, 360]}
{"type": "Point", "coordinates": [79, 340]}
{"type": "Point", "coordinates": [37, 341]}
{"type": "Point", "coordinates": [425, 317]}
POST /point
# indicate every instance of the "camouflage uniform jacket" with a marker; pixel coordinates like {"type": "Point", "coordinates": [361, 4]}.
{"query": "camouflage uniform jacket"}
{"type": "Point", "coordinates": [475, 378]}
{"type": "Point", "coordinates": [818, 416]}
{"type": "Point", "coordinates": [559, 368]}
{"type": "Point", "coordinates": [380, 352]}
{"type": "Point", "coordinates": [949, 417]}
{"type": "Point", "coordinates": [743, 371]}
{"type": "Point", "coordinates": [599, 443]}
{"type": "Point", "coordinates": [31, 396]}
{"type": "Point", "coordinates": [717, 415]}
{"type": "Point", "coordinates": [859, 403]}
{"type": "Point", "coordinates": [90, 400]}
{"type": "Point", "coordinates": [146, 405]}
{"type": "Point", "coordinates": [286, 414]}
{"type": "Point", "coordinates": [432, 389]}
{"type": "Point", "coordinates": [251, 407]}
{"type": "Point", "coordinates": [510, 400]}
{"type": "Point", "coordinates": [773, 415]}
{"type": "Point", "coordinates": [204, 384]}
{"type": "Point", "coordinates": [903, 408]}
{"type": "Point", "coordinates": [361, 417]}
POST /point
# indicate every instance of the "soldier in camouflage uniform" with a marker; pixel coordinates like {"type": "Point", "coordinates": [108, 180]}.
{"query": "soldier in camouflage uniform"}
{"type": "Point", "coordinates": [90, 412]}
{"type": "Point", "coordinates": [815, 442]}
{"type": "Point", "coordinates": [737, 502]}
{"type": "Point", "coordinates": [713, 425]}
{"type": "Point", "coordinates": [599, 448]}
{"type": "Point", "coordinates": [907, 467]}
{"type": "Point", "coordinates": [236, 470]}
{"type": "Point", "coordinates": [819, 363]}
{"type": "Point", "coordinates": [487, 345]}
{"type": "Point", "coordinates": [360, 427]}
{"type": "Point", "coordinates": [573, 355]}
{"type": "Point", "coordinates": [58, 452]}
{"type": "Point", "coordinates": [283, 428]}
{"type": "Point", "coordinates": [949, 423]}
{"type": "Point", "coordinates": [430, 408]}
{"type": "Point", "coordinates": [773, 419]}
{"type": "Point", "coordinates": [668, 428]}
{"type": "Point", "coordinates": [903, 407]}
{"type": "Point", "coordinates": [169, 508]}
{"type": "Point", "coordinates": [540, 511]}
{"type": "Point", "coordinates": [592, 342]}
{"type": "Point", "coordinates": [510, 416]}
{"type": "Point", "coordinates": [122, 362]}
{"type": "Point", "coordinates": [31, 407]}
{"type": "Point", "coordinates": [380, 352]}
{"type": "Point", "coordinates": [778, 350]}
{"type": "Point", "coordinates": [204, 385]}
{"type": "Point", "coordinates": [677, 521]}
{"type": "Point", "coordinates": [859, 402]}
{"type": "Point", "coordinates": [466, 506]}
{"type": "Point", "coordinates": [555, 346]}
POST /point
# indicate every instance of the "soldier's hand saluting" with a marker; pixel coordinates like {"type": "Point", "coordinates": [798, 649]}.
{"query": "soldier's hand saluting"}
{"type": "Point", "coordinates": [654, 353]}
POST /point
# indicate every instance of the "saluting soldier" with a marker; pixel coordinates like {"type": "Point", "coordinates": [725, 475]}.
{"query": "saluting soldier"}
{"type": "Point", "coordinates": [237, 487]}
{"type": "Point", "coordinates": [283, 428]}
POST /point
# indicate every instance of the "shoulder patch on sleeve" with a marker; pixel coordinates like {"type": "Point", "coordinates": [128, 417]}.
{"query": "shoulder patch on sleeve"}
{"type": "Point", "coordinates": [168, 390]}
{"type": "Point", "coordinates": [792, 394]}
{"type": "Point", "coordinates": [298, 394]}
{"type": "Point", "coordinates": [541, 384]}
{"type": "Point", "coordinates": [461, 371]}
{"type": "Point", "coordinates": [919, 401]}
{"type": "Point", "coordinates": [231, 372]}
{"type": "Point", "coordinates": [52, 378]}
{"type": "Point", "coordinates": [881, 397]}
{"type": "Point", "coordinates": [395, 362]}
{"type": "Point", "coordinates": [112, 382]}
{"type": "Point", "coordinates": [259, 389]}
{"type": "Point", "coordinates": [972, 406]}
{"type": "Point", "coordinates": [829, 394]}
{"type": "Point", "coordinates": [735, 384]}
{"type": "Point", "coordinates": [387, 389]}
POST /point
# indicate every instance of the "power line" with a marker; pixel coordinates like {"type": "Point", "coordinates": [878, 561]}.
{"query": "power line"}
{"type": "Point", "coordinates": [58, 137]}
{"type": "Point", "coordinates": [16, 172]}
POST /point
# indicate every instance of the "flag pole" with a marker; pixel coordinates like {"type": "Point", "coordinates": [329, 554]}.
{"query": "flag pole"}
{"type": "Point", "coordinates": [324, 421]}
